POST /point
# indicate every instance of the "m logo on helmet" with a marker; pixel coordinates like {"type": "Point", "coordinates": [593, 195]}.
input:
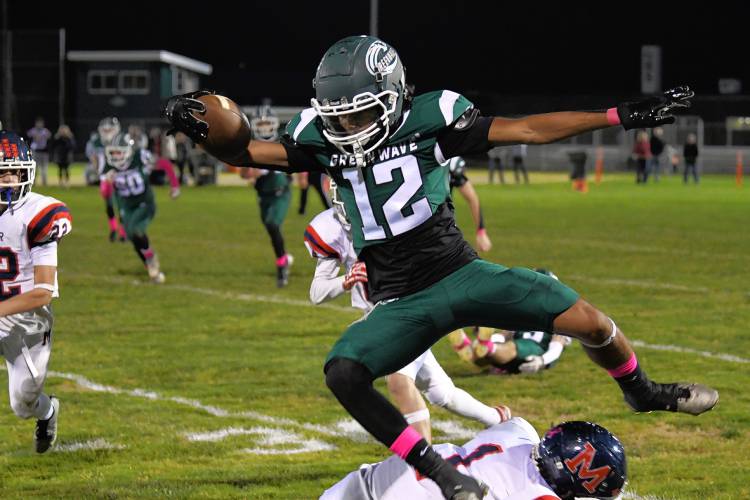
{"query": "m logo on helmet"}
{"type": "Point", "coordinates": [381, 59]}
{"type": "Point", "coordinates": [584, 460]}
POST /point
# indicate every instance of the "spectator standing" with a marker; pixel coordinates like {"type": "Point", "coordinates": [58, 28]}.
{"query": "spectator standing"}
{"type": "Point", "coordinates": [496, 163]}
{"type": "Point", "coordinates": [518, 151]}
{"type": "Point", "coordinates": [182, 143]}
{"type": "Point", "coordinates": [641, 153]}
{"type": "Point", "coordinates": [40, 137]}
{"type": "Point", "coordinates": [657, 148]}
{"type": "Point", "coordinates": [61, 150]}
{"type": "Point", "coordinates": [690, 153]}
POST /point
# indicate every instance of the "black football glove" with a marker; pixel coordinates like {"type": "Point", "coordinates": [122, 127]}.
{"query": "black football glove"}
{"type": "Point", "coordinates": [654, 111]}
{"type": "Point", "coordinates": [178, 111]}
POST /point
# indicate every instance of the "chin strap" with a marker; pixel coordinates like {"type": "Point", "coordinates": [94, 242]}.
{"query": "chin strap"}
{"type": "Point", "coordinates": [359, 157]}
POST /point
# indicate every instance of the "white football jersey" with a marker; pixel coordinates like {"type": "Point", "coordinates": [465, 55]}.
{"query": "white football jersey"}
{"type": "Point", "coordinates": [499, 456]}
{"type": "Point", "coordinates": [326, 238]}
{"type": "Point", "coordinates": [29, 232]}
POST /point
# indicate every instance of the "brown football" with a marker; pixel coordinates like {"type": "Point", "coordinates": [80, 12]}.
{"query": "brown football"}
{"type": "Point", "coordinates": [228, 128]}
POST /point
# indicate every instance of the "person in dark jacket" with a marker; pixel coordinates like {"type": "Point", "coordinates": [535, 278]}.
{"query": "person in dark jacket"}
{"type": "Point", "coordinates": [642, 155]}
{"type": "Point", "coordinates": [62, 148]}
{"type": "Point", "coordinates": [690, 153]}
{"type": "Point", "coordinates": [657, 148]}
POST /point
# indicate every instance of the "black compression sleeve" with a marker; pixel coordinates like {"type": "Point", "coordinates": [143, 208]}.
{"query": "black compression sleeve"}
{"type": "Point", "coordinates": [299, 159]}
{"type": "Point", "coordinates": [455, 141]}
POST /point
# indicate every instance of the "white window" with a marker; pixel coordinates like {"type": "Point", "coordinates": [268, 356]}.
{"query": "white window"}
{"type": "Point", "coordinates": [101, 81]}
{"type": "Point", "coordinates": [134, 81]}
{"type": "Point", "coordinates": [183, 81]}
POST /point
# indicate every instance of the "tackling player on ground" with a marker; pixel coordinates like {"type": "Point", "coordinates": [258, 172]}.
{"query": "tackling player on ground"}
{"type": "Point", "coordinates": [384, 149]}
{"type": "Point", "coordinates": [572, 460]}
{"type": "Point", "coordinates": [30, 227]}
{"type": "Point", "coordinates": [328, 239]}
{"type": "Point", "coordinates": [510, 352]}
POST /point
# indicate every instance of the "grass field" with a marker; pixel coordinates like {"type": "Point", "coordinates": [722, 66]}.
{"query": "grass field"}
{"type": "Point", "coordinates": [194, 388]}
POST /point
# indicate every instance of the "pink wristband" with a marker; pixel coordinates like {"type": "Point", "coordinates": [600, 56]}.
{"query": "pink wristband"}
{"type": "Point", "coordinates": [481, 231]}
{"type": "Point", "coordinates": [612, 117]}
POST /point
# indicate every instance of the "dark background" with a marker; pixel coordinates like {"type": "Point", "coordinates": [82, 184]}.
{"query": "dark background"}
{"type": "Point", "coordinates": [271, 49]}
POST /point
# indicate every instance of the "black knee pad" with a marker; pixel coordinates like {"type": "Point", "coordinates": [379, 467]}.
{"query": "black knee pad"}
{"type": "Point", "coordinates": [345, 376]}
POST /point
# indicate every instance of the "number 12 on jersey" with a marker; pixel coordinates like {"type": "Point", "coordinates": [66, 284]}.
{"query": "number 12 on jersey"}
{"type": "Point", "coordinates": [398, 223]}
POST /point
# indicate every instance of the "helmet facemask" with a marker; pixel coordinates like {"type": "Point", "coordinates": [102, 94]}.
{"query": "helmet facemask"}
{"type": "Point", "coordinates": [360, 126]}
{"type": "Point", "coordinates": [108, 128]}
{"type": "Point", "coordinates": [265, 128]}
{"type": "Point", "coordinates": [17, 169]}
{"type": "Point", "coordinates": [120, 152]}
{"type": "Point", "coordinates": [15, 190]}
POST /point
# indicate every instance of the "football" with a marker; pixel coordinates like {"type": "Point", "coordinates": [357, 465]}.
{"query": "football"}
{"type": "Point", "coordinates": [228, 128]}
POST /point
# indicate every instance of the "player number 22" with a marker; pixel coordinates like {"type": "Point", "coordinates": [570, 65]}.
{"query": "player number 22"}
{"type": "Point", "coordinates": [393, 206]}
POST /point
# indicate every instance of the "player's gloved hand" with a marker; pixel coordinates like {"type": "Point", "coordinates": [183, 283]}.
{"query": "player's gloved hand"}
{"type": "Point", "coordinates": [357, 274]}
{"type": "Point", "coordinates": [531, 364]}
{"type": "Point", "coordinates": [174, 192]}
{"type": "Point", "coordinates": [179, 111]}
{"type": "Point", "coordinates": [654, 111]}
{"type": "Point", "coordinates": [484, 244]}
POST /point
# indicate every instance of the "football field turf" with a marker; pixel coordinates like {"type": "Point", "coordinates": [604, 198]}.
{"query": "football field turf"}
{"type": "Point", "coordinates": [211, 385]}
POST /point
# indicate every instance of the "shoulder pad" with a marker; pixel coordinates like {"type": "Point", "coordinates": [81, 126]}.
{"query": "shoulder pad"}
{"type": "Point", "coordinates": [322, 235]}
{"type": "Point", "coordinates": [50, 223]}
{"type": "Point", "coordinates": [466, 120]}
{"type": "Point", "coordinates": [303, 129]}
{"type": "Point", "coordinates": [434, 111]}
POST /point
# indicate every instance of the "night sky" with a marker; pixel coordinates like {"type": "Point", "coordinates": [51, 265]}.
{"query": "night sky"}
{"type": "Point", "coordinates": [272, 48]}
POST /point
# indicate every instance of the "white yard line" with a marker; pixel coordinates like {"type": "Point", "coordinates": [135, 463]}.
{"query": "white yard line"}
{"type": "Point", "coordinates": [94, 444]}
{"type": "Point", "coordinates": [706, 354]}
{"type": "Point", "coordinates": [651, 285]}
{"type": "Point", "coordinates": [243, 297]}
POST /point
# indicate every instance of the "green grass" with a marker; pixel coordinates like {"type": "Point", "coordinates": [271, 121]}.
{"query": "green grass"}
{"type": "Point", "coordinates": [668, 262]}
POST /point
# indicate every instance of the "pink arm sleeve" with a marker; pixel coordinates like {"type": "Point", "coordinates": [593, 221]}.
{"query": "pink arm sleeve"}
{"type": "Point", "coordinates": [166, 165]}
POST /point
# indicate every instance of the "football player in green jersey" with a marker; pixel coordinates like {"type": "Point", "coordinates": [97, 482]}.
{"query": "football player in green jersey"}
{"type": "Point", "coordinates": [273, 191]}
{"type": "Point", "coordinates": [128, 168]}
{"type": "Point", "coordinates": [384, 148]}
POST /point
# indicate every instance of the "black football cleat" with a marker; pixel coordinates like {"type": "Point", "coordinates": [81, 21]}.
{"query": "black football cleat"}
{"type": "Point", "coordinates": [680, 397]}
{"type": "Point", "coordinates": [282, 276]}
{"type": "Point", "coordinates": [46, 430]}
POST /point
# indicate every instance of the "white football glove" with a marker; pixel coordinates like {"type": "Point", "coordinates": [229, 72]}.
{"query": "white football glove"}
{"type": "Point", "coordinates": [532, 364]}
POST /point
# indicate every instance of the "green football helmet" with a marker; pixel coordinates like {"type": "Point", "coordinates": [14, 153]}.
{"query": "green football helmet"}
{"type": "Point", "coordinates": [360, 91]}
{"type": "Point", "coordinates": [120, 151]}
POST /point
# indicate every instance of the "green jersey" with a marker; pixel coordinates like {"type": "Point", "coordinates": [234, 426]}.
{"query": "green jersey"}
{"type": "Point", "coordinates": [131, 183]}
{"type": "Point", "coordinates": [399, 204]}
{"type": "Point", "coordinates": [541, 338]}
{"type": "Point", "coordinates": [271, 183]}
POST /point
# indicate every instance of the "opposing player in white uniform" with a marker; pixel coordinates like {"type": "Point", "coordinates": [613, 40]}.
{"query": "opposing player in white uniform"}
{"type": "Point", "coordinates": [573, 460]}
{"type": "Point", "coordinates": [328, 239]}
{"type": "Point", "coordinates": [30, 227]}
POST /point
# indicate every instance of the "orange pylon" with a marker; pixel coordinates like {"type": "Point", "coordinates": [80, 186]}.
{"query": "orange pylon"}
{"type": "Point", "coordinates": [599, 169]}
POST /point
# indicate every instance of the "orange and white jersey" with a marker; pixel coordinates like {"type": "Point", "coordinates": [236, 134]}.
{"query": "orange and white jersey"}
{"type": "Point", "coordinates": [499, 456]}
{"type": "Point", "coordinates": [29, 232]}
{"type": "Point", "coordinates": [327, 240]}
